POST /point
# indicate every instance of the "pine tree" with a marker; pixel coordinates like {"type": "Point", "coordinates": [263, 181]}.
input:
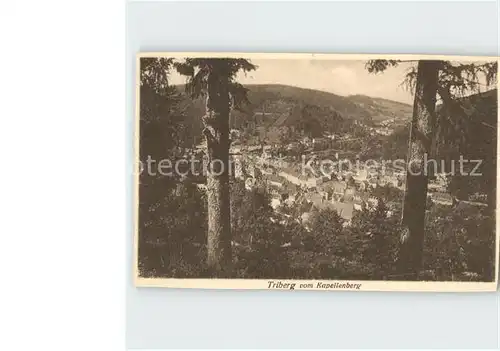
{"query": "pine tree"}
{"type": "Point", "coordinates": [214, 79]}
{"type": "Point", "coordinates": [431, 78]}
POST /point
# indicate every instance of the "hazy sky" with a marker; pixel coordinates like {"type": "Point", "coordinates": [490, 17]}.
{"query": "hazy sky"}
{"type": "Point", "coordinates": [339, 77]}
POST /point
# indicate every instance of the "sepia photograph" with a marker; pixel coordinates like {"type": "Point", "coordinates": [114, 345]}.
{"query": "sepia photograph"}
{"type": "Point", "coordinates": [316, 172]}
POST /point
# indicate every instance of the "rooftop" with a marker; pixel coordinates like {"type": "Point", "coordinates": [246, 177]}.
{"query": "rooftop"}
{"type": "Point", "coordinates": [441, 196]}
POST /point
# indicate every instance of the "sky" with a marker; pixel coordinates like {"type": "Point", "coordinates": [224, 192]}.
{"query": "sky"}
{"type": "Point", "coordinates": [334, 76]}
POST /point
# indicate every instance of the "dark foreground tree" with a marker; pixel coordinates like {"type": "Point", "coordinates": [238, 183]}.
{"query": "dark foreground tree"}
{"type": "Point", "coordinates": [431, 78]}
{"type": "Point", "coordinates": [477, 115]}
{"type": "Point", "coordinates": [215, 80]}
{"type": "Point", "coordinates": [161, 118]}
{"type": "Point", "coordinates": [172, 215]}
{"type": "Point", "coordinates": [417, 177]}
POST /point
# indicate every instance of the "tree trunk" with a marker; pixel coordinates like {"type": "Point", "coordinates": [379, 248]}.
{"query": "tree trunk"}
{"type": "Point", "coordinates": [216, 122]}
{"type": "Point", "coordinates": [419, 148]}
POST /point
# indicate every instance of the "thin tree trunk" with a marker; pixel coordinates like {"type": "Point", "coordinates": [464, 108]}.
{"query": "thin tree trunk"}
{"type": "Point", "coordinates": [216, 131]}
{"type": "Point", "coordinates": [421, 138]}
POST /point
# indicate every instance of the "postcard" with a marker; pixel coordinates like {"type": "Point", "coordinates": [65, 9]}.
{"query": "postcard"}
{"type": "Point", "coordinates": [327, 172]}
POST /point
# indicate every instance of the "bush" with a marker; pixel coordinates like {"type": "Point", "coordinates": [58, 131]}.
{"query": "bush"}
{"type": "Point", "coordinates": [460, 244]}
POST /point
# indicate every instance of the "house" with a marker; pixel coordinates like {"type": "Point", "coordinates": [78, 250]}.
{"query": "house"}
{"type": "Point", "coordinates": [266, 170]}
{"type": "Point", "coordinates": [314, 198]}
{"type": "Point", "coordinates": [383, 131]}
{"type": "Point", "coordinates": [305, 219]}
{"type": "Point", "coordinates": [364, 199]}
{"type": "Point", "coordinates": [330, 136]}
{"type": "Point", "coordinates": [345, 210]}
{"type": "Point", "coordinates": [273, 180]}
{"type": "Point", "coordinates": [254, 149]}
{"type": "Point", "coordinates": [290, 188]}
{"type": "Point", "coordinates": [295, 146]}
{"type": "Point", "coordinates": [478, 197]}
{"type": "Point", "coordinates": [250, 183]}
{"type": "Point", "coordinates": [359, 200]}
{"type": "Point", "coordinates": [333, 187]}
{"type": "Point", "coordinates": [237, 167]}
{"type": "Point", "coordinates": [363, 186]}
{"type": "Point", "coordinates": [373, 182]}
{"type": "Point", "coordinates": [290, 200]}
{"type": "Point", "coordinates": [361, 175]}
{"type": "Point", "coordinates": [235, 134]}
{"type": "Point", "coordinates": [391, 181]}
{"type": "Point", "coordinates": [467, 205]}
{"type": "Point", "coordinates": [441, 198]}
{"type": "Point", "coordinates": [441, 178]}
{"type": "Point", "coordinates": [275, 202]}
{"type": "Point", "coordinates": [360, 197]}
{"type": "Point", "coordinates": [339, 188]}
{"type": "Point", "coordinates": [433, 187]}
{"type": "Point", "coordinates": [348, 195]}
{"type": "Point", "coordinates": [266, 151]}
{"type": "Point", "coordinates": [306, 140]}
{"type": "Point", "coordinates": [400, 174]}
{"type": "Point", "coordinates": [320, 142]}
{"type": "Point", "coordinates": [349, 191]}
{"type": "Point", "coordinates": [248, 170]}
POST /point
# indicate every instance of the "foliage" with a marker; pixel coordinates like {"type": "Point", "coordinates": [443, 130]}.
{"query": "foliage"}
{"type": "Point", "coordinates": [170, 240]}
{"type": "Point", "coordinates": [326, 225]}
{"type": "Point", "coordinates": [455, 79]}
{"type": "Point", "coordinates": [154, 73]}
{"type": "Point", "coordinates": [395, 146]}
{"type": "Point", "coordinates": [259, 240]}
{"type": "Point", "coordinates": [162, 117]}
{"type": "Point", "coordinates": [452, 131]}
{"type": "Point", "coordinates": [479, 119]}
{"type": "Point", "coordinates": [460, 243]}
{"type": "Point", "coordinates": [375, 230]}
{"type": "Point", "coordinates": [388, 193]}
{"type": "Point", "coordinates": [377, 66]}
{"type": "Point", "coordinates": [198, 71]}
{"type": "Point", "coordinates": [172, 219]}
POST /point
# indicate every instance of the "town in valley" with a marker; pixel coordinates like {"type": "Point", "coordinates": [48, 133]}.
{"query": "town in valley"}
{"type": "Point", "coordinates": [317, 184]}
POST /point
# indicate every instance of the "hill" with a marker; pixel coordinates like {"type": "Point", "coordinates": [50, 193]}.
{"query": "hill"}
{"type": "Point", "coordinates": [355, 107]}
{"type": "Point", "coordinates": [270, 102]}
{"type": "Point", "coordinates": [383, 109]}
